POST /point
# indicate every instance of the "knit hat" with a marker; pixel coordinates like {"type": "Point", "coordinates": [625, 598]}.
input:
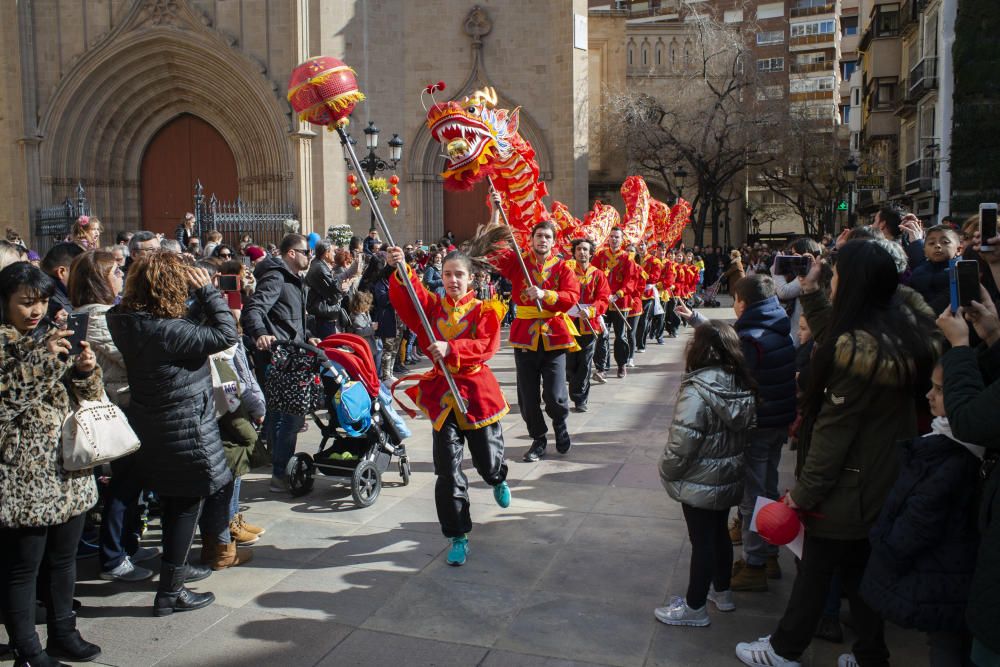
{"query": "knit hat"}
{"type": "Point", "coordinates": [33, 256]}
{"type": "Point", "coordinates": [253, 252]}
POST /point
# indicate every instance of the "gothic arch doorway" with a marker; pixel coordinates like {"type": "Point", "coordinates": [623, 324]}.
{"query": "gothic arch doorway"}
{"type": "Point", "coordinates": [464, 211]}
{"type": "Point", "coordinates": [184, 150]}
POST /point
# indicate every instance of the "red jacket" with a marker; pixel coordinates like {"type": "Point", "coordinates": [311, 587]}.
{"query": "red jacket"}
{"type": "Point", "coordinates": [551, 327]}
{"type": "Point", "coordinates": [472, 329]}
{"type": "Point", "coordinates": [594, 293]}
{"type": "Point", "coordinates": [624, 277]}
{"type": "Point", "coordinates": [653, 267]}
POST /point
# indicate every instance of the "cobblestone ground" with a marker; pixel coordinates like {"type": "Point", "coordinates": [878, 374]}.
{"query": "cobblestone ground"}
{"type": "Point", "coordinates": [568, 575]}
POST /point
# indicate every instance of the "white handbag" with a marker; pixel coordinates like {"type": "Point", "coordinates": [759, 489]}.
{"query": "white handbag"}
{"type": "Point", "coordinates": [95, 433]}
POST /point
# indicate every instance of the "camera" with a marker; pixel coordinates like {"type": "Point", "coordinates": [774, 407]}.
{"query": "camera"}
{"type": "Point", "coordinates": [795, 265]}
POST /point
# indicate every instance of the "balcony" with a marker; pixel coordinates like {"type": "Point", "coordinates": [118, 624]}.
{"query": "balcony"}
{"type": "Point", "coordinates": [872, 33]}
{"type": "Point", "coordinates": [811, 96]}
{"type": "Point", "coordinates": [811, 40]}
{"type": "Point", "coordinates": [919, 176]}
{"type": "Point", "coordinates": [799, 12]}
{"type": "Point", "coordinates": [923, 78]}
{"type": "Point", "coordinates": [809, 68]}
{"type": "Point", "coordinates": [909, 17]}
{"type": "Point", "coordinates": [905, 105]}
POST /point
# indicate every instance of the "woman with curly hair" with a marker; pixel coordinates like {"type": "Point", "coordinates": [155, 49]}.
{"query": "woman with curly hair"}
{"type": "Point", "coordinates": [171, 405]}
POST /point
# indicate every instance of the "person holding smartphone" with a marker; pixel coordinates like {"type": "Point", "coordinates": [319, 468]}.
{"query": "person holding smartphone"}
{"type": "Point", "coordinates": [42, 506]}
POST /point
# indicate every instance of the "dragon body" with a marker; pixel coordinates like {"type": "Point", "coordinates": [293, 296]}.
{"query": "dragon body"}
{"type": "Point", "coordinates": [482, 141]}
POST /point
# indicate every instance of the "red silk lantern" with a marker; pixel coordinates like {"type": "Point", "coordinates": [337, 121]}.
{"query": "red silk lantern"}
{"type": "Point", "coordinates": [323, 91]}
{"type": "Point", "coordinates": [394, 203]}
{"type": "Point", "coordinates": [394, 179]}
{"type": "Point", "coordinates": [356, 203]}
{"type": "Point", "coordinates": [351, 178]}
{"type": "Point", "coordinates": [353, 190]}
{"type": "Point", "coordinates": [394, 191]}
{"type": "Point", "coordinates": [777, 523]}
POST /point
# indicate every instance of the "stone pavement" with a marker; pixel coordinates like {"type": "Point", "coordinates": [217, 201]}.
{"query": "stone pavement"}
{"type": "Point", "coordinates": [568, 575]}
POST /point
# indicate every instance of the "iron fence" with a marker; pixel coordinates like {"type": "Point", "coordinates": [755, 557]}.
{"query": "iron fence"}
{"type": "Point", "coordinates": [53, 223]}
{"type": "Point", "coordinates": [236, 220]}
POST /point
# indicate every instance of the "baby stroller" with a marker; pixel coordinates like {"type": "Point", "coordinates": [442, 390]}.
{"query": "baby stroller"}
{"type": "Point", "coordinates": [711, 292]}
{"type": "Point", "coordinates": [361, 434]}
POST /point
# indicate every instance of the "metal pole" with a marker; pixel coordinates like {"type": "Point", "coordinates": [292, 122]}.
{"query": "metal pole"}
{"type": "Point", "coordinates": [517, 248]}
{"type": "Point", "coordinates": [404, 277]}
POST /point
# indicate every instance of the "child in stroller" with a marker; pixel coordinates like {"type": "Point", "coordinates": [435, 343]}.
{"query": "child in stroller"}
{"type": "Point", "coordinates": [362, 431]}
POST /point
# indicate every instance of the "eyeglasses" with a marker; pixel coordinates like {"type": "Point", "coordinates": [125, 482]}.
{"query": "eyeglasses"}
{"type": "Point", "coordinates": [225, 255]}
{"type": "Point", "coordinates": [304, 251]}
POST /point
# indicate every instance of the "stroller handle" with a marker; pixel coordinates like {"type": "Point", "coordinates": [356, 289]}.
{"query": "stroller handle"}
{"type": "Point", "coordinates": [323, 359]}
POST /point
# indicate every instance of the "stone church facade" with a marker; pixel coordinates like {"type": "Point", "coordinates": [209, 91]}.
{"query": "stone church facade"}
{"type": "Point", "coordinates": [137, 99]}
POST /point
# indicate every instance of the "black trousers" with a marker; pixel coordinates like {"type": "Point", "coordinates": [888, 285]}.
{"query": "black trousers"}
{"type": "Point", "coordinates": [602, 351]}
{"type": "Point", "coordinates": [541, 375]}
{"type": "Point", "coordinates": [820, 559]}
{"type": "Point", "coordinates": [711, 553]}
{"type": "Point", "coordinates": [644, 324]}
{"type": "Point", "coordinates": [451, 490]}
{"type": "Point", "coordinates": [179, 517]}
{"type": "Point", "coordinates": [578, 369]}
{"type": "Point", "coordinates": [672, 320]}
{"type": "Point", "coordinates": [624, 336]}
{"type": "Point", "coordinates": [23, 553]}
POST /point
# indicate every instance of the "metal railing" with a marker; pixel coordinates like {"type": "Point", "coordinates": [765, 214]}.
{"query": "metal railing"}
{"type": "Point", "coordinates": [807, 68]}
{"type": "Point", "coordinates": [53, 223]}
{"type": "Point", "coordinates": [798, 12]}
{"type": "Point", "coordinates": [918, 176]}
{"type": "Point", "coordinates": [262, 223]}
{"type": "Point", "coordinates": [923, 78]}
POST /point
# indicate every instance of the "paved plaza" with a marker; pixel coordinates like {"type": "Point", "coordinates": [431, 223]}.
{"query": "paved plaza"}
{"type": "Point", "coordinates": [568, 575]}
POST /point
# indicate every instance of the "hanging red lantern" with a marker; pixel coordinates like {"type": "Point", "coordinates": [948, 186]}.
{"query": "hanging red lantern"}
{"type": "Point", "coordinates": [353, 190]}
{"type": "Point", "coordinates": [356, 203]}
{"type": "Point", "coordinates": [394, 179]}
{"type": "Point", "coordinates": [351, 178]}
{"type": "Point", "coordinates": [324, 91]}
{"type": "Point", "coordinates": [394, 191]}
{"type": "Point", "coordinates": [395, 205]}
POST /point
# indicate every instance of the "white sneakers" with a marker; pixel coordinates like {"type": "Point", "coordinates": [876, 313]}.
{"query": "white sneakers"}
{"type": "Point", "coordinates": [679, 613]}
{"type": "Point", "coordinates": [723, 601]}
{"type": "Point", "coordinates": [847, 660]}
{"type": "Point", "coordinates": [760, 654]}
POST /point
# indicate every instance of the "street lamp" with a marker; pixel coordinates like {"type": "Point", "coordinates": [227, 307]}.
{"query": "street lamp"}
{"type": "Point", "coordinates": [371, 164]}
{"type": "Point", "coordinates": [851, 176]}
{"type": "Point", "coordinates": [679, 175]}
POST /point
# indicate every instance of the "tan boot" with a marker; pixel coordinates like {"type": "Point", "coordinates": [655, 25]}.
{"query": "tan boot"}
{"type": "Point", "coordinates": [240, 535]}
{"type": "Point", "coordinates": [736, 531]}
{"type": "Point", "coordinates": [228, 555]}
{"type": "Point", "coordinates": [773, 568]}
{"type": "Point", "coordinates": [256, 530]}
{"type": "Point", "coordinates": [748, 579]}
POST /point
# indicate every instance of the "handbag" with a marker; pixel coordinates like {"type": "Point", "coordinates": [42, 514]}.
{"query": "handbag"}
{"type": "Point", "coordinates": [96, 432]}
{"type": "Point", "coordinates": [293, 385]}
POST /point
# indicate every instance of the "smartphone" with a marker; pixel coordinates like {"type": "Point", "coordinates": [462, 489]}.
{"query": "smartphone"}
{"type": "Point", "coordinates": [78, 324]}
{"type": "Point", "coordinates": [987, 225]}
{"type": "Point", "coordinates": [246, 260]}
{"type": "Point", "coordinates": [792, 264]}
{"type": "Point", "coordinates": [964, 283]}
{"type": "Point", "coordinates": [229, 283]}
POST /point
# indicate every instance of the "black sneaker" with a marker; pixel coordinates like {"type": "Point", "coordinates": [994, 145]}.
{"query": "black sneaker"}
{"type": "Point", "coordinates": [537, 450]}
{"type": "Point", "coordinates": [563, 442]}
{"type": "Point", "coordinates": [580, 408]}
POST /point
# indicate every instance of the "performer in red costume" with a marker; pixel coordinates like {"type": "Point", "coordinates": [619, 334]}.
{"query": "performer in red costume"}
{"type": "Point", "coordinates": [468, 332]}
{"type": "Point", "coordinates": [594, 293]}
{"type": "Point", "coordinates": [625, 280]}
{"type": "Point", "coordinates": [652, 267]}
{"type": "Point", "coordinates": [541, 337]}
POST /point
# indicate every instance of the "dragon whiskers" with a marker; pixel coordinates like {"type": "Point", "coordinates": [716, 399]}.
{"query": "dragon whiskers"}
{"type": "Point", "coordinates": [488, 239]}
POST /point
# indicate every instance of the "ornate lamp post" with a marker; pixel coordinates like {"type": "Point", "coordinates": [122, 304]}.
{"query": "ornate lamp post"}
{"type": "Point", "coordinates": [372, 164]}
{"type": "Point", "coordinates": [680, 174]}
{"type": "Point", "coordinates": [851, 176]}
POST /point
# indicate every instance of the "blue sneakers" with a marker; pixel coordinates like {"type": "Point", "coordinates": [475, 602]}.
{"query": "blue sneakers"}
{"type": "Point", "coordinates": [501, 494]}
{"type": "Point", "coordinates": [459, 550]}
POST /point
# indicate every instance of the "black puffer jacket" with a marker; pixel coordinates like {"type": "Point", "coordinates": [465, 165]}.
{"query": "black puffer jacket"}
{"type": "Point", "coordinates": [924, 542]}
{"type": "Point", "coordinates": [277, 306]}
{"type": "Point", "coordinates": [326, 297]}
{"type": "Point", "coordinates": [172, 409]}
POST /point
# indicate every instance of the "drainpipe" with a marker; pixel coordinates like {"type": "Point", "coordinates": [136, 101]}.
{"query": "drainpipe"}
{"type": "Point", "coordinates": [946, 103]}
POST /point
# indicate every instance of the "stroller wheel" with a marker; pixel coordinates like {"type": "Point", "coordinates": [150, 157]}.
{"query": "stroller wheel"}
{"type": "Point", "coordinates": [300, 472]}
{"type": "Point", "coordinates": [366, 484]}
{"type": "Point", "coordinates": [404, 470]}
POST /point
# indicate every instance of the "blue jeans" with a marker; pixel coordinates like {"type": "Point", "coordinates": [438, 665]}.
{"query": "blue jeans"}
{"type": "Point", "coordinates": [214, 519]}
{"type": "Point", "coordinates": [120, 519]}
{"type": "Point", "coordinates": [763, 454]}
{"type": "Point", "coordinates": [234, 506]}
{"type": "Point", "coordinates": [283, 432]}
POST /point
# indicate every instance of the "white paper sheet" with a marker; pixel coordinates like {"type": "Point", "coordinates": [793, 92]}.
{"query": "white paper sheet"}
{"type": "Point", "coordinates": [795, 546]}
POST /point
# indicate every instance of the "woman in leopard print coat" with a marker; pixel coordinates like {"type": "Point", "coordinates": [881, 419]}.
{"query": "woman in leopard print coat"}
{"type": "Point", "coordinates": [42, 506]}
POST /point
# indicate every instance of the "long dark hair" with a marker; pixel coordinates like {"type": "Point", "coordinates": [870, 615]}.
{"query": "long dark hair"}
{"type": "Point", "coordinates": [374, 271]}
{"type": "Point", "coordinates": [23, 274]}
{"type": "Point", "coordinates": [867, 300]}
{"type": "Point", "coordinates": [717, 344]}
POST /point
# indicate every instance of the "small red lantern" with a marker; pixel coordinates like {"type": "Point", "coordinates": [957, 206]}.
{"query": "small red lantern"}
{"type": "Point", "coordinates": [356, 203]}
{"type": "Point", "coordinates": [323, 91]}
{"type": "Point", "coordinates": [777, 523]}
{"type": "Point", "coordinates": [394, 180]}
{"type": "Point", "coordinates": [394, 191]}
{"type": "Point", "coordinates": [353, 190]}
{"type": "Point", "coordinates": [351, 178]}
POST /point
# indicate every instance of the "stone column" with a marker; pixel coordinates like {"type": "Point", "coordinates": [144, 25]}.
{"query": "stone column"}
{"type": "Point", "coordinates": [303, 179]}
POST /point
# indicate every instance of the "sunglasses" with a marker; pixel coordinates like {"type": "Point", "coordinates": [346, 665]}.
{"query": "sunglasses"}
{"type": "Point", "coordinates": [225, 255]}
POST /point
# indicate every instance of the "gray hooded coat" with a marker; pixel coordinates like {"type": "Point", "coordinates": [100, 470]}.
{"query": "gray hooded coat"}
{"type": "Point", "coordinates": [702, 464]}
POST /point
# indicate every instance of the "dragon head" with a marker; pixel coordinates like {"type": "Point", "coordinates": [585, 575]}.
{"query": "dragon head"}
{"type": "Point", "coordinates": [475, 135]}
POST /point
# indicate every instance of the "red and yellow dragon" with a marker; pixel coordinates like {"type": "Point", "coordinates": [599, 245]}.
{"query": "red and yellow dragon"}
{"type": "Point", "coordinates": [483, 141]}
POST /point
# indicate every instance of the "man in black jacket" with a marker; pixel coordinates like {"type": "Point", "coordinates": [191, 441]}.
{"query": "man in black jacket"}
{"type": "Point", "coordinates": [277, 311]}
{"type": "Point", "coordinates": [765, 338]}
{"type": "Point", "coordinates": [56, 264]}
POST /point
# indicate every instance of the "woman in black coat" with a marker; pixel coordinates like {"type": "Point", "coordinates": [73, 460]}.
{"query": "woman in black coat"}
{"type": "Point", "coordinates": [329, 268]}
{"type": "Point", "coordinates": [171, 407]}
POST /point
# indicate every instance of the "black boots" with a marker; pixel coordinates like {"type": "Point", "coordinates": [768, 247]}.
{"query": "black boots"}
{"type": "Point", "coordinates": [563, 442]}
{"type": "Point", "coordinates": [29, 653]}
{"type": "Point", "coordinates": [196, 573]}
{"type": "Point", "coordinates": [171, 595]}
{"type": "Point", "coordinates": [537, 450]}
{"type": "Point", "coordinates": [65, 642]}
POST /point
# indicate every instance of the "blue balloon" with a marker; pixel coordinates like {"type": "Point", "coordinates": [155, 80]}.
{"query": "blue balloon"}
{"type": "Point", "coordinates": [313, 240]}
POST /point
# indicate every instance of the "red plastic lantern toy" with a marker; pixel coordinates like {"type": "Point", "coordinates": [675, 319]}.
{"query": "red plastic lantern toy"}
{"type": "Point", "coordinates": [777, 523]}
{"type": "Point", "coordinates": [323, 91]}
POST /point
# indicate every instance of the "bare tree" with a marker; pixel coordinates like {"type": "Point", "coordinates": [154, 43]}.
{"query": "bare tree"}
{"type": "Point", "coordinates": [807, 172]}
{"type": "Point", "coordinates": [709, 121]}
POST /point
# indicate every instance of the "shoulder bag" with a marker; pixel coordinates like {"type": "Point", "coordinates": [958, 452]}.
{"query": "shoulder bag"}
{"type": "Point", "coordinates": [95, 433]}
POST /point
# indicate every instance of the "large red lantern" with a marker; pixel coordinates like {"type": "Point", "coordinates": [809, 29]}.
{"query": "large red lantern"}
{"type": "Point", "coordinates": [777, 523]}
{"type": "Point", "coordinates": [323, 91]}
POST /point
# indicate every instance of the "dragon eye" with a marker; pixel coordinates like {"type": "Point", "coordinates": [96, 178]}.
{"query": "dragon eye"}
{"type": "Point", "coordinates": [473, 110]}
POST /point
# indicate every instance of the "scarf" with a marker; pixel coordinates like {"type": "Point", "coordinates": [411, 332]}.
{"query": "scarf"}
{"type": "Point", "coordinates": [940, 426]}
